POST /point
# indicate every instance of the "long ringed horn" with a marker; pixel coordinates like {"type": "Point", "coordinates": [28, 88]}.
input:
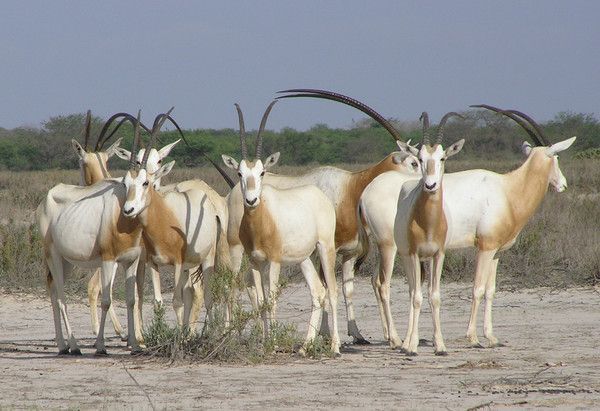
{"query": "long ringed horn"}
{"type": "Point", "coordinates": [158, 123]}
{"type": "Point", "coordinates": [440, 132]}
{"type": "Point", "coordinates": [102, 138]}
{"type": "Point", "coordinates": [330, 95]}
{"type": "Point", "coordinates": [243, 145]}
{"type": "Point", "coordinates": [425, 119]}
{"type": "Point", "coordinates": [263, 123]}
{"type": "Point", "coordinates": [515, 118]}
{"type": "Point", "coordinates": [86, 129]}
{"type": "Point", "coordinates": [136, 140]}
{"type": "Point", "coordinates": [535, 125]}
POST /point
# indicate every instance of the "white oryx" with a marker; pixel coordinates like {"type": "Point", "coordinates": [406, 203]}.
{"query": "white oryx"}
{"type": "Point", "coordinates": [282, 227]}
{"type": "Point", "coordinates": [85, 226]}
{"type": "Point", "coordinates": [181, 228]}
{"type": "Point", "coordinates": [343, 188]}
{"type": "Point", "coordinates": [484, 209]}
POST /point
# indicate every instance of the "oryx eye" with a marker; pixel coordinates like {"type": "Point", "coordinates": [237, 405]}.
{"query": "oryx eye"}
{"type": "Point", "coordinates": [239, 174]}
{"type": "Point", "coordinates": [415, 164]}
{"type": "Point", "coordinates": [159, 161]}
{"type": "Point", "coordinates": [145, 183]}
{"type": "Point", "coordinates": [443, 159]}
{"type": "Point", "coordinates": [262, 174]}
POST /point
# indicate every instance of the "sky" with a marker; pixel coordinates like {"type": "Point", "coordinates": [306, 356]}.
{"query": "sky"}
{"type": "Point", "coordinates": [400, 57]}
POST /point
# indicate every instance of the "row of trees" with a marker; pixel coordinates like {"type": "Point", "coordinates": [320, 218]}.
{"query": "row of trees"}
{"type": "Point", "coordinates": [488, 136]}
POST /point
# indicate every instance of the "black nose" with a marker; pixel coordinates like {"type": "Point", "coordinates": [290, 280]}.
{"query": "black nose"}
{"type": "Point", "coordinates": [430, 187]}
{"type": "Point", "coordinates": [127, 212]}
{"type": "Point", "coordinates": [251, 202]}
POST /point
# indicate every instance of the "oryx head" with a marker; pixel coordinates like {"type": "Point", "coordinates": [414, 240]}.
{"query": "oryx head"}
{"type": "Point", "coordinates": [543, 149]}
{"type": "Point", "coordinates": [139, 182]}
{"type": "Point", "coordinates": [155, 159]}
{"type": "Point", "coordinates": [251, 172]}
{"type": "Point", "coordinates": [93, 163]}
{"type": "Point", "coordinates": [432, 156]}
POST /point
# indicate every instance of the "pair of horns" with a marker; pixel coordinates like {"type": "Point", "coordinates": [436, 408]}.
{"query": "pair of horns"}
{"type": "Point", "coordinates": [159, 121]}
{"type": "Point", "coordinates": [259, 140]}
{"type": "Point", "coordinates": [527, 123]}
{"type": "Point", "coordinates": [440, 132]}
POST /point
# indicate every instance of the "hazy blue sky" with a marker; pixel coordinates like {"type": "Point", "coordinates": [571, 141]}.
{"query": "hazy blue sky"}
{"type": "Point", "coordinates": [400, 57]}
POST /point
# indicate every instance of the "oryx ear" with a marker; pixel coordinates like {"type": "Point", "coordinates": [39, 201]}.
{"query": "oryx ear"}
{"type": "Point", "coordinates": [164, 170]}
{"type": "Point", "coordinates": [163, 152]}
{"type": "Point", "coordinates": [123, 153]}
{"type": "Point", "coordinates": [455, 148]}
{"type": "Point", "coordinates": [526, 148]}
{"type": "Point", "coordinates": [272, 160]}
{"type": "Point", "coordinates": [112, 150]}
{"type": "Point", "coordinates": [78, 149]}
{"type": "Point", "coordinates": [560, 146]}
{"type": "Point", "coordinates": [230, 162]}
{"type": "Point", "coordinates": [407, 148]}
{"type": "Point", "coordinates": [398, 158]}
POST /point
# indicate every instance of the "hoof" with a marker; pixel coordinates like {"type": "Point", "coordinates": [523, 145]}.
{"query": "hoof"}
{"type": "Point", "coordinates": [497, 344]}
{"type": "Point", "coordinates": [441, 353]}
{"type": "Point", "coordinates": [337, 355]}
{"type": "Point", "coordinates": [476, 345]}
{"type": "Point", "coordinates": [64, 351]}
{"type": "Point", "coordinates": [411, 353]}
{"type": "Point", "coordinates": [361, 341]}
{"type": "Point", "coordinates": [123, 338]}
{"type": "Point", "coordinates": [425, 343]}
{"type": "Point", "coordinates": [101, 353]}
{"type": "Point", "coordinates": [76, 351]}
{"type": "Point", "coordinates": [138, 351]}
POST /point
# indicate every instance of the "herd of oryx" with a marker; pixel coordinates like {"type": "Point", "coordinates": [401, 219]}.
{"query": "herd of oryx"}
{"type": "Point", "coordinates": [405, 203]}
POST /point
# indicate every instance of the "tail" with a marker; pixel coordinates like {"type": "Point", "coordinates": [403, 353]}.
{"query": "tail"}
{"type": "Point", "coordinates": [363, 239]}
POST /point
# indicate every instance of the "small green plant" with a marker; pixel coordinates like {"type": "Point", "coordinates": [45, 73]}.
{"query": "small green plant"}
{"type": "Point", "coordinates": [319, 347]}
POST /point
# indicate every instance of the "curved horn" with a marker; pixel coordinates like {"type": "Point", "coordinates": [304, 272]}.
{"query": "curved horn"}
{"type": "Point", "coordinates": [136, 140]}
{"type": "Point", "coordinates": [440, 132]}
{"type": "Point", "coordinates": [512, 116]}
{"type": "Point", "coordinates": [159, 121]}
{"type": "Point", "coordinates": [425, 119]}
{"type": "Point", "coordinates": [102, 139]}
{"type": "Point", "coordinates": [330, 95]}
{"type": "Point", "coordinates": [243, 145]}
{"type": "Point", "coordinates": [86, 129]}
{"type": "Point", "coordinates": [535, 126]}
{"type": "Point", "coordinates": [263, 123]}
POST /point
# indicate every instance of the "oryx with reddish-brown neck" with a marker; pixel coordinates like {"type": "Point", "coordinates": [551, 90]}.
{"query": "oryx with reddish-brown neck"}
{"type": "Point", "coordinates": [84, 226]}
{"type": "Point", "coordinates": [181, 228]}
{"type": "Point", "coordinates": [343, 188]}
{"type": "Point", "coordinates": [485, 210]}
{"type": "Point", "coordinates": [282, 227]}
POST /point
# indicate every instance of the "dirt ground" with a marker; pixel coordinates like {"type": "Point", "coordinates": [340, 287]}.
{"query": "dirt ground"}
{"type": "Point", "coordinates": [551, 359]}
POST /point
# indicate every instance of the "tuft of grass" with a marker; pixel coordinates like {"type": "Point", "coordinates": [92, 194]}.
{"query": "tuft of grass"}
{"type": "Point", "coordinates": [319, 348]}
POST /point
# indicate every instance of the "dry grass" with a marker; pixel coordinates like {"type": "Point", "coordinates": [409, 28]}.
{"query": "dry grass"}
{"type": "Point", "coordinates": [559, 247]}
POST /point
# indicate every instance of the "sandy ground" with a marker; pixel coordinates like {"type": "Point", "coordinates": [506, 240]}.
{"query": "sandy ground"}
{"type": "Point", "coordinates": [551, 359]}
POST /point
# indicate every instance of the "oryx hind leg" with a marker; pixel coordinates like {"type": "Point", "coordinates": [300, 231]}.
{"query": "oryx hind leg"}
{"type": "Point", "coordinates": [317, 296]}
{"type": "Point", "coordinates": [348, 263]}
{"type": "Point", "coordinates": [60, 269]}
{"type": "Point", "coordinates": [327, 257]}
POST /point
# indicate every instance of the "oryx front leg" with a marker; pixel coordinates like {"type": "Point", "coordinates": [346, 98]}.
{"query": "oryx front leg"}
{"type": "Point", "coordinates": [482, 270]}
{"type": "Point", "coordinates": [435, 273]}
{"type": "Point", "coordinates": [109, 269]}
{"type": "Point", "coordinates": [269, 284]}
{"type": "Point", "coordinates": [134, 337]}
{"type": "Point", "coordinates": [413, 273]}
{"type": "Point", "coordinates": [178, 304]}
{"type": "Point", "coordinates": [348, 290]}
